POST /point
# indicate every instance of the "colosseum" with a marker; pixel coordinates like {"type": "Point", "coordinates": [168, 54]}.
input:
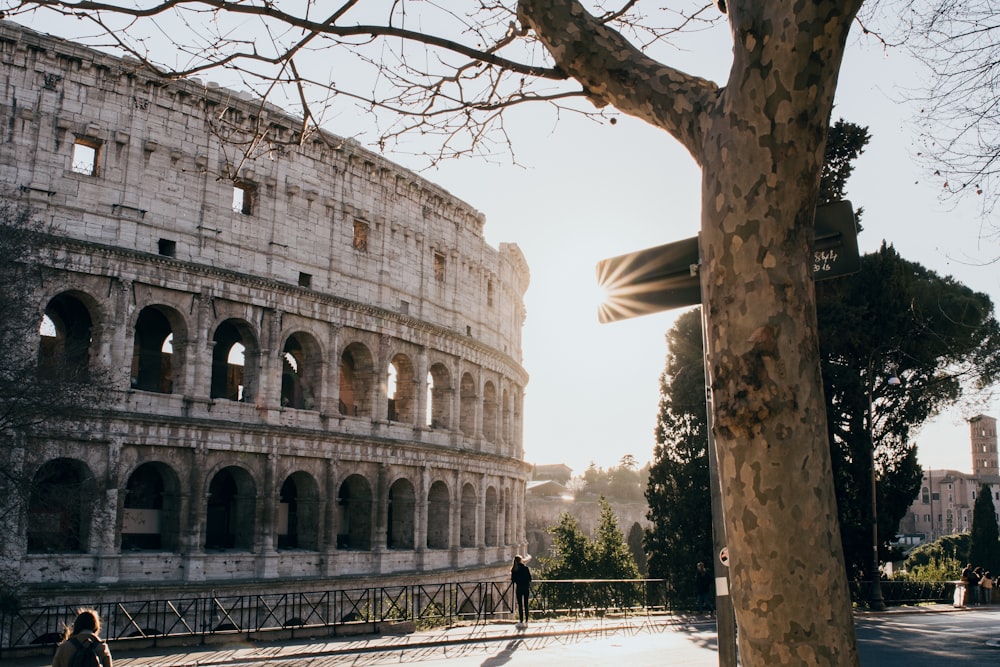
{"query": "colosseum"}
{"type": "Point", "coordinates": [314, 355]}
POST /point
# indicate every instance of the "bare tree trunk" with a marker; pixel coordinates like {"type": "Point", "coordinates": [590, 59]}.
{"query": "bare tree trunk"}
{"type": "Point", "coordinates": [760, 143]}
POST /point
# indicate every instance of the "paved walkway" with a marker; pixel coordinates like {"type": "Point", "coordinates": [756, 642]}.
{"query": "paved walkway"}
{"type": "Point", "coordinates": [408, 647]}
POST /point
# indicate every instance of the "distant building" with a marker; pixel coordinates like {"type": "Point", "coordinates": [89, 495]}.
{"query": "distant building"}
{"type": "Point", "coordinates": [945, 503]}
{"type": "Point", "coordinates": [559, 472]}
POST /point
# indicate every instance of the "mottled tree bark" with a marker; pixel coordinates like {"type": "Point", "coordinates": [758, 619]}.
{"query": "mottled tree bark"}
{"type": "Point", "coordinates": [759, 140]}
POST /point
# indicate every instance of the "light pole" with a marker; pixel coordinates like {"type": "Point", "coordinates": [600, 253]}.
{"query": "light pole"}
{"type": "Point", "coordinates": [875, 599]}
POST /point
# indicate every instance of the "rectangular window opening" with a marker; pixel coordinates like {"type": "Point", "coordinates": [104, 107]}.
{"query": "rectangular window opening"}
{"type": "Point", "coordinates": [439, 267]}
{"type": "Point", "coordinates": [242, 198]}
{"type": "Point", "coordinates": [360, 241]}
{"type": "Point", "coordinates": [85, 154]}
{"type": "Point", "coordinates": [305, 279]}
{"type": "Point", "coordinates": [167, 248]}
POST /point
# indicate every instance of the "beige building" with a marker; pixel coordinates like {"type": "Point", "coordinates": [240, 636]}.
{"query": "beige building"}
{"type": "Point", "coordinates": [315, 355]}
{"type": "Point", "coordinates": [947, 497]}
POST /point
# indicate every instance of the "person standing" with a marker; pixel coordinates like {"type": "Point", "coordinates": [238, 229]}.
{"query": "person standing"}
{"type": "Point", "coordinates": [986, 587]}
{"type": "Point", "coordinates": [83, 636]}
{"type": "Point", "coordinates": [971, 580]}
{"type": "Point", "coordinates": [520, 576]}
{"type": "Point", "coordinates": [703, 586]}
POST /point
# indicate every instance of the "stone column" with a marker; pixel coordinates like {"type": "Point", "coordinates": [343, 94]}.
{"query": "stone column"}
{"type": "Point", "coordinates": [331, 520]}
{"type": "Point", "coordinates": [106, 522]}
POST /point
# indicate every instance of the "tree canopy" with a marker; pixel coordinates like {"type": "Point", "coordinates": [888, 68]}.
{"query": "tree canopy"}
{"type": "Point", "coordinates": [759, 138]}
{"type": "Point", "coordinates": [984, 550]}
{"type": "Point", "coordinates": [937, 337]}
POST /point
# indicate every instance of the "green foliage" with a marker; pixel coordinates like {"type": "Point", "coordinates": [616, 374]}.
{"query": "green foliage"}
{"type": "Point", "coordinates": [677, 492]}
{"type": "Point", "coordinates": [623, 483]}
{"type": "Point", "coordinates": [985, 548]}
{"type": "Point", "coordinates": [575, 556]}
{"type": "Point", "coordinates": [634, 540]}
{"type": "Point", "coordinates": [940, 560]}
{"type": "Point", "coordinates": [937, 337]}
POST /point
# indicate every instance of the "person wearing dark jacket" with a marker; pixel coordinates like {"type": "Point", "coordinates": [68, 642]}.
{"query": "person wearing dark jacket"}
{"type": "Point", "coordinates": [520, 576]}
{"type": "Point", "coordinates": [86, 630]}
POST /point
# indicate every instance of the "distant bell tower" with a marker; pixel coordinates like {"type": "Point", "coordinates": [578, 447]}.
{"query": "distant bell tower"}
{"type": "Point", "coordinates": [983, 431]}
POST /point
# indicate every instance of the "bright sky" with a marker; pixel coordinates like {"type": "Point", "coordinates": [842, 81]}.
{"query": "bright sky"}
{"type": "Point", "coordinates": [590, 191]}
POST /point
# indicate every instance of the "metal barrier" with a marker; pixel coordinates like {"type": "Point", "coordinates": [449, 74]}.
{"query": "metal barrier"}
{"type": "Point", "coordinates": [428, 604]}
{"type": "Point", "coordinates": [424, 604]}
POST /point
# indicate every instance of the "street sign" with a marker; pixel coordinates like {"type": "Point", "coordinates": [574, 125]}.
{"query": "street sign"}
{"type": "Point", "coordinates": [666, 277]}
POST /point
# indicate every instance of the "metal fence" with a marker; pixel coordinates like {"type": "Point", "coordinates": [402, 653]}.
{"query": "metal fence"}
{"type": "Point", "coordinates": [428, 604]}
{"type": "Point", "coordinates": [424, 604]}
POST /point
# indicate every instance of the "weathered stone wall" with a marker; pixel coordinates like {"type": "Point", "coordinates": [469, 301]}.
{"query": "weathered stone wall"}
{"type": "Point", "coordinates": [340, 275]}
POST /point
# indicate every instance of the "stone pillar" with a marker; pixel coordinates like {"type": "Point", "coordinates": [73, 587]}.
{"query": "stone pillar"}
{"type": "Point", "coordinates": [106, 521]}
{"type": "Point", "coordinates": [192, 537]}
{"type": "Point", "coordinates": [330, 381]}
{"type": "Point", "coordinates": [420, 387]}
{"type": "Point", "coordinates": [455, 538]}
{"type": "Point", "coordinates": [380, 507]}
{"type": "Point", "coordinates": [481, 519]}
{"type": "Point", "coordinates": [420, 516]}
{"type": "Point", "coordinates": [331, 520]}
{"type": "Point", "coordinates": [264, 533]}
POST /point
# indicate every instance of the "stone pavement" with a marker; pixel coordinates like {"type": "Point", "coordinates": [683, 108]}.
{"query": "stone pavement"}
{"type": "Point", "coordinates": [409, 647]}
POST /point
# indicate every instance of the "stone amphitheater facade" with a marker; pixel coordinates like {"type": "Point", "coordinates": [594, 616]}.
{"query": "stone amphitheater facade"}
{"type": "Point", "coordinates": [315, 355]}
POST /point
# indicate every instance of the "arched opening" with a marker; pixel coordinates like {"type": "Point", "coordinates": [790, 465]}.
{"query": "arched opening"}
{"type": "Point", "coordinates": [152, 357]}
{"type": "Point", "coordinates": [298, 512]}
{"type": "Point", "coordinates": [232, 378]}
{"type": "Point", "coordinates": [492, 514]}
{"type": "Point", "coordinates": [151, 516]}
{"type": "Point", "coordinates": [355, 503]}
{"type": "Point", "coordinates": [66, 336]}
{"type": "Point", "coordinates": [401, 387]}
{"type": "Point", "coordinates": [230, 513]}
{"type": "Point", "coordinates": [400, 520]}
{"type": "Point", "coordinates": [467, 537]}
{"type": "Point", "coordinates": [438, 397]}
{"type": "Point", "coordinates": [467, 418]}
{"type": "Point", "coordinates": [60, 507]}
{"type": "Point", "coordinates": [356, 368]}
{"type": "Point", "coordinates": [300, 372]}
{"type": "Point", "coordinates": [438, 516]}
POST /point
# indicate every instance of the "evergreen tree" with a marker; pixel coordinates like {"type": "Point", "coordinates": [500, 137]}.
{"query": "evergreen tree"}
{"type": "Point", "coordinates": [635, 535]}
{"type": "Point", "coordinates": [571, 551]}
{"type": "Point", "coordinates": [677, 492]}
{"type": "Point", "coordinates": [984, 550]}
{"type": "Point", "coordinates": [611, 558]}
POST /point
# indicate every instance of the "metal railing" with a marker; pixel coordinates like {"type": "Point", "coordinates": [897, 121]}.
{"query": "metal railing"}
{"type": "Point", "coordinates": [304, 613]}
{"type": "Point", "coordinates": [311, 613]}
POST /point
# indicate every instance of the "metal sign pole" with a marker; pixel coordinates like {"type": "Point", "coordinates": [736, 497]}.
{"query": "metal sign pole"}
{"type": "Point", "coordinates": [725, 618]}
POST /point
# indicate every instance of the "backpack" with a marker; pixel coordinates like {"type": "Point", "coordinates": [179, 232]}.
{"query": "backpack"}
{"type": "Point", "coordinates": [86, 653]}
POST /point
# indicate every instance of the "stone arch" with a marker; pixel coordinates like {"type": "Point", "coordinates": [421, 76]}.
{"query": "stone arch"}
{"type": "Point", "coordinates": [155, 367]}
{"type": "Point", "coordinates": [60, 507]}
{"type": "Point", "coordinates": [356, 371]}
{"type": "Point", "coordinates": [439, 396]}
{"type": "Point", "coordinates": [490, 412]}
{"type": "Point", "coordinates": [401, 390]}
{"type": "Point", "coordinates": [66, 338]}
{"type": "Point", "coordinates": [400, 519]}
{"type": "Point", "coordinates": [230, 514]}
{"type": "Point", "coordinates": [467, 416]}
{"type": "Point", "coordinates": [301, 372]}
{"type": "Point", "coordinates": [151, 509]}
{"type": "Point", "coordinates": [298, 512]}
{"type": "Point", "coordinates": [438, 516]}
{"type": "Point", "coordinates": [235, 352]}
{"type": "Point", "coordinates": [355, 503]}
{"type": "Point", "coordinates": [467, 528]}
{"type": "Point", "coordinates": [492, 524]}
